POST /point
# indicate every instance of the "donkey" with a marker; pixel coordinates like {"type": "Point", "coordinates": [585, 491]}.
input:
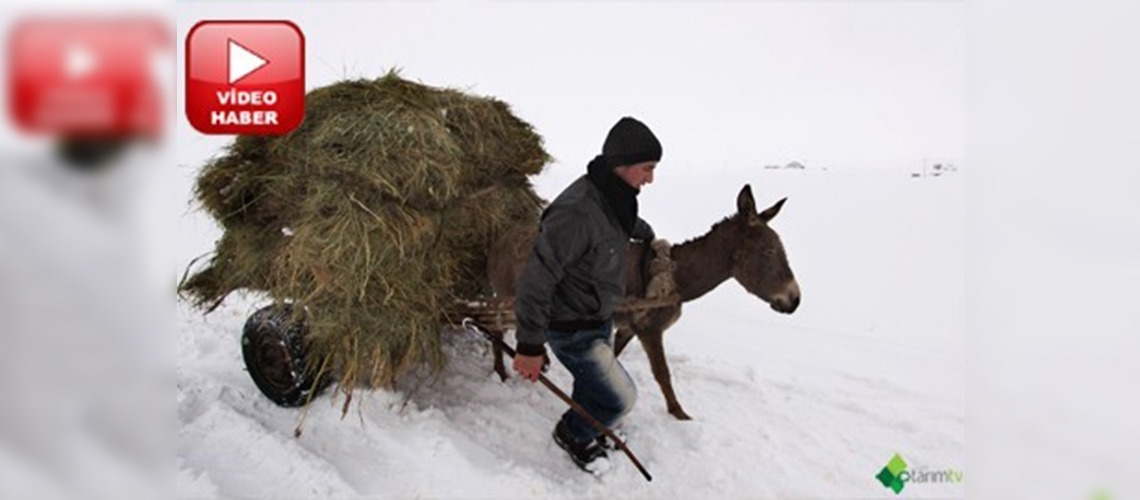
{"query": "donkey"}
{"type": "Point", "coordinates": [741, 246]}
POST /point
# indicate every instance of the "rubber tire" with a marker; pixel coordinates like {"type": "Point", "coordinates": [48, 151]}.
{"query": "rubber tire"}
{"type": "Point", "coordinates": [272, 345]}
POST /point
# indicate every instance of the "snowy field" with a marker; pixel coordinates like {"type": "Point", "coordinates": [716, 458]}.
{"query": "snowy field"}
{"type": "Point", "coordinates": [808, 405]}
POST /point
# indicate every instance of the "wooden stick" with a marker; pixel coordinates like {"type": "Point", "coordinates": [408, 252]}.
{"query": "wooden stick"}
{"type": "Point", "coordinates": [472, 324]}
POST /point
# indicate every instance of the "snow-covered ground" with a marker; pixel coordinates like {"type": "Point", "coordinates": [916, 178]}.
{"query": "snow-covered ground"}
{"type": "Point", "coordinates": [808, 405]}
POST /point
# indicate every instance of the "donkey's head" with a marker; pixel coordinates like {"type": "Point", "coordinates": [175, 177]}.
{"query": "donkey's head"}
{"type": "Point", "coordinates": [758, 261]}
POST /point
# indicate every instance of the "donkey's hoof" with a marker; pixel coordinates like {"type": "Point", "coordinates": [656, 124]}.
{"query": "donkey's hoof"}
{"type": "Point", "coordinates": [680, 414]}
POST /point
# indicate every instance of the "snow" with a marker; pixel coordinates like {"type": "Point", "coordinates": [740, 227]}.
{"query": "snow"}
{"type": "Point", "coordinates": [807, 405]}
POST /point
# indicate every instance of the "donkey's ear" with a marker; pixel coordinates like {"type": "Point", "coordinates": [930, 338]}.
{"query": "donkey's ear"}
{"type": "Point", "coordinates": [745, 204]}
{"type": "Point", "coordinates": [771, 212]}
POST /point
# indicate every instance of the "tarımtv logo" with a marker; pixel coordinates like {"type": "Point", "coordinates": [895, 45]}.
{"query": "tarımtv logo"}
{"type": "Point", "coordinates": [895, 475]}
{"type": "Point", "coordinates": [891, 475]}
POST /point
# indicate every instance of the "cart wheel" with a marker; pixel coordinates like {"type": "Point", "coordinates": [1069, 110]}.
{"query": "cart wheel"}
{"type": "Point", "coordinates": [274, 353]}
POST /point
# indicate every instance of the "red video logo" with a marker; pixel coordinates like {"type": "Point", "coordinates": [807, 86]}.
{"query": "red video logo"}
{"type": "Point", "coordinates": [245, 77]}
{"type": "Point", "coordinates": [79, 76]}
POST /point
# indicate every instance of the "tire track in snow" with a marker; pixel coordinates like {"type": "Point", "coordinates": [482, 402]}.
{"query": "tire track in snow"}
{"type": "Point", "coordinates": [244, 460]}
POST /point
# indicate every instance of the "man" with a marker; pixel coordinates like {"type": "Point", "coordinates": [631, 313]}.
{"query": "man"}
{"type": "Point", "coordinates": [574, 279]}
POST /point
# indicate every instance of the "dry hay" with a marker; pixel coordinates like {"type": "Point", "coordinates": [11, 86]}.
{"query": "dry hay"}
{"type": "Point", "coordinates": [374, 215]}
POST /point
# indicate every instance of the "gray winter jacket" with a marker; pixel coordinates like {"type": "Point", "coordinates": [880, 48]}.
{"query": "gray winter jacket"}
{"type": "Point", "coordinates": [575, 272]}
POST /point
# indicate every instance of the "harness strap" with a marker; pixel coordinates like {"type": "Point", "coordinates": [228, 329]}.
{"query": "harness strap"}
{"type": "Point", "coordinates": [660, 271]}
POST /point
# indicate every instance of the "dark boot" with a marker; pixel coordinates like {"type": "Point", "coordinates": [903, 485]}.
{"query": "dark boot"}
{"type": "Point", "coordinates": [590, 456]}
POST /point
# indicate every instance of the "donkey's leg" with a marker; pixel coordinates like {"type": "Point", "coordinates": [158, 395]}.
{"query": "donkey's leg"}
{"type": "Point", "coordinates": [497, 352]}
{"type": "Point", "coordinates": [655, 349]}
{"type": "Point", "coordinates": [621, 338]}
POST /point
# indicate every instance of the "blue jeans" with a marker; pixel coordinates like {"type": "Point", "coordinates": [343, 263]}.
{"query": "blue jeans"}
{"type": "Point", "coordinates": [601, 384]}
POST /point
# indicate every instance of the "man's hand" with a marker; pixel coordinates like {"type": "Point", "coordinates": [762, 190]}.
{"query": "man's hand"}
{"type": "Point", "coordinates": [528, 366]}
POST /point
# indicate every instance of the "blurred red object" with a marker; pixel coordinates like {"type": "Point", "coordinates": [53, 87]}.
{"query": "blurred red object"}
{"type": "Point", "coordinates": [86, 76]}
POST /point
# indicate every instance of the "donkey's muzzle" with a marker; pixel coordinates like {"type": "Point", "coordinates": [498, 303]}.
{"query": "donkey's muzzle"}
{"type": "Point", "coordinates": [787, 300]}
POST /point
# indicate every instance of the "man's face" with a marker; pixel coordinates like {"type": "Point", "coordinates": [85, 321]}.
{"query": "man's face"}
{"type": "Point", "coordinates": [637, 175]}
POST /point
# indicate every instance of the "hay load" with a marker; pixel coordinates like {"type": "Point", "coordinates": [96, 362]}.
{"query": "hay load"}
{"type": "Point", "coordinates": [375, 215]}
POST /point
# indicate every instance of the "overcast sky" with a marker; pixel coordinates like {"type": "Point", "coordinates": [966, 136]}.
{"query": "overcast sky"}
{"type": "Point", "coordinates": [725, 83]}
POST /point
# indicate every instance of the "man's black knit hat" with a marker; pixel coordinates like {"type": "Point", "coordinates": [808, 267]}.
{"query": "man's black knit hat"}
{"type": "Point", "coordinates": [630, 142]}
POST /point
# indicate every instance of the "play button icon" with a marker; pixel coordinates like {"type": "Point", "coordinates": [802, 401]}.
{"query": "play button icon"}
{"type": "Point", "coordinates": [245, 77]}
{"type": "Point", "coordinates": [243, 62]}
{"type": "Point", "coordinates": [75, 76]}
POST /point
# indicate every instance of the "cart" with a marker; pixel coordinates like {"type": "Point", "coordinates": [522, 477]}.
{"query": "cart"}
{"type": "Point", "coordinates": [274, 352]}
